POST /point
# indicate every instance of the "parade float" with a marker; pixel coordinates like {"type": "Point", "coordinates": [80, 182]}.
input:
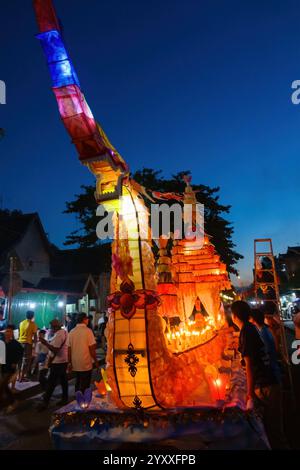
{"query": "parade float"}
{"type": "Point", "coordinates": [171, 367]}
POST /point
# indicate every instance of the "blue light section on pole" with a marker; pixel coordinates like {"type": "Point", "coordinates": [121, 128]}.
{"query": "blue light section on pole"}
{"type": "Point", "coordinates": [61, 68]}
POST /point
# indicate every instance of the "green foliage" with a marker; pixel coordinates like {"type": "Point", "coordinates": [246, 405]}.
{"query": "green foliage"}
{"type": "Point", "coordinates": [84, 207]}
{"type": "Point", "coordinates": [219, 229]}
{"type": "Point", "coordinates": [10, 213]}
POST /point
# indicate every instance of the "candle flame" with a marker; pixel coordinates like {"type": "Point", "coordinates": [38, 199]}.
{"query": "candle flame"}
{"type": "Point", "coordinates": [218, 382]}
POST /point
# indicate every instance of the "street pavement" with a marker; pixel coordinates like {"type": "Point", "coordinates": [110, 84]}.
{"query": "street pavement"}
{"type": "Point", "coordinates": [26, 428]}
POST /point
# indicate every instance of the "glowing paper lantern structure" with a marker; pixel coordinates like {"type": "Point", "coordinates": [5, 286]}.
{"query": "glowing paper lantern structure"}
{"type": "Point", "coordinates": [84, 399]}
{"type": "Point", "coordinates": [151, 363]}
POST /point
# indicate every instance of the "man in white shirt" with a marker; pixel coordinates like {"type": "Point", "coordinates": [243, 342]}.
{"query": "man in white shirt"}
{"type": "Point", "coordinates": [82, 352]}
{"type": "Point", "coordinates": [57, 362]}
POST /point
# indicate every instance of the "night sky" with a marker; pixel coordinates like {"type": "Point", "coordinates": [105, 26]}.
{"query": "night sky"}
{"type": "Point", "coordinates": [177, 85]}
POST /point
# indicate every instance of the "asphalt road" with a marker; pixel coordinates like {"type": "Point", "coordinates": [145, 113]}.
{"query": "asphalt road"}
{"type": "Point", "coordinates": [27, 429]}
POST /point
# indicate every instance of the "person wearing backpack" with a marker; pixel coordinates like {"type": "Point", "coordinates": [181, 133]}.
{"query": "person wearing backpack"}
{"type": "Point", "coordinates": [57, 363]}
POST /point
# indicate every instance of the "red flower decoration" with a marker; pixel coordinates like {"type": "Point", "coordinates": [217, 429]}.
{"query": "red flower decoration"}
{"type": "Point", "coordinates": [128, 299]}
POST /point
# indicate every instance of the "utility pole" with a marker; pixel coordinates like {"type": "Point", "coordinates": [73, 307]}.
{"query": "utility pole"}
{"type": "Point", "coordinates": [10, 291]}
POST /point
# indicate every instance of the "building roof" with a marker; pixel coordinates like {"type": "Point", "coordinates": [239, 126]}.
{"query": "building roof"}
{"type": "Point", "coordinates": [74, 285]}
{"type": "Point", "coordinates": [71, 270]}
{"type": "Point", "coordinates": [291, 252]}
{"type": "Point", "coordinates": [294, 250]}
{"type": "Point", "coordinates": [93, 260]}
{"type": "Point", "coordinates": [14, 226]}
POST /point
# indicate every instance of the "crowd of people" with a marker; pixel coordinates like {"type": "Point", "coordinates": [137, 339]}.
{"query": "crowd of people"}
{"type": "Point", "coordinates": [72, 348]}
{"type": "Point", "coordinates": [260, 355]}
{"type": "Point", "coordinates": [52, 354]}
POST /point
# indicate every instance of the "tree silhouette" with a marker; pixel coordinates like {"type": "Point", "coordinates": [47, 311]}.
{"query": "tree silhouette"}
{"type": "Point", "coordinates": [220, 230]}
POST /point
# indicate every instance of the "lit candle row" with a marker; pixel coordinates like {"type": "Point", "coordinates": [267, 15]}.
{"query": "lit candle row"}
{"type": "Point", "coordinates": [185, 338]}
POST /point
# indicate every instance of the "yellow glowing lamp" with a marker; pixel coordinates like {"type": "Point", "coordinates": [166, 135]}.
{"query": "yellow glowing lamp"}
{"type": "Point", "coordinates": [101, 389]}
{"type": "Point", "coordinates": [103, 386]}
{"type": "Point", "coordinates": [104, 377]}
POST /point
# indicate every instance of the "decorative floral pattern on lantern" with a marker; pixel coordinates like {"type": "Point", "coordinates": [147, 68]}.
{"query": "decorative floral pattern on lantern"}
{"type": "Point", "coordinates": [128, 299]}
{"type": "Point", "coordinates": [137, 402]}
{"type": "Point", "coordinates": [131, 359]}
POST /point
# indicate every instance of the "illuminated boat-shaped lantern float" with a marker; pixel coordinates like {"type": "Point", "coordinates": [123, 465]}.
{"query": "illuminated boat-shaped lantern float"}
{"type": "Point", "coordinates": [165, 335]}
